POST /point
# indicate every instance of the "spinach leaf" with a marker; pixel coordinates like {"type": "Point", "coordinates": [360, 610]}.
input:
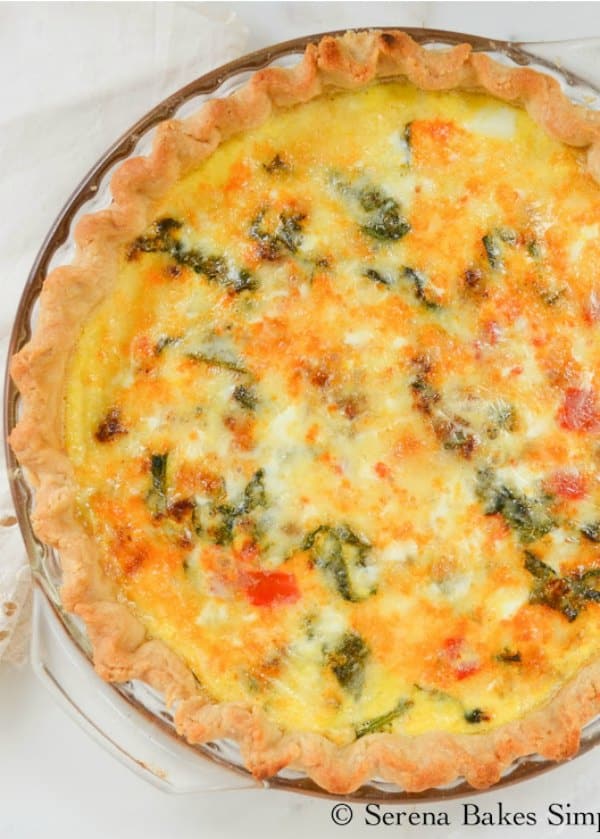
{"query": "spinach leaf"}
{"type": "Point", "coordinates": [378, 214]}
{"type": "Point", "coordinates": [162, 238]}
{"type": "Point", "coordinates": [378, 277]}
{"type": "Point", "coordinates": [419, 283]}
{"type": "Point", "coordinates": [219, 518]}
{"type": "Point", "coordinates": [591, 531]}
{"type": "Point", "coordinates": [408, 138]}
{"type": "Point", "coordinates": [157, 496]}
{"type": "Point", "coordinates": [452, 431]}
{"type": "Point", "coordinates": [492, 243]}
{"type": "Point", "coordinates": [277, 165]}
{"type": "Point", "coordinates": [383, 722]}
{"type": "Point", "coordinates": [163, 342]}
{"type": "Point", "coordinates": [285, 233]}
{"type": "Point", "coordinates": [476, 715]}
{"type": "Point", "coordinates": [342, 555]}
{"type": "Point", "coordinates": [508, 657]}
{"type": "Point", "coordinates": [492, 251]}
{"type": "Point", "coordinates": [246, 397]}
{"type": "Point", "coordinates": [503, 417]}
{"type": "Point", "coordinates": [528, 517]}
{"type": "Point", "coordinates": [384, 220]}
{"type": "Point", "coordinates": [347, 662]}
{"type": "Point", "coordinates": [254, 493]}
{"type": "Point", "coordinates": [217, 361]}
{"type": "Point", "coordinates": [567, 595]}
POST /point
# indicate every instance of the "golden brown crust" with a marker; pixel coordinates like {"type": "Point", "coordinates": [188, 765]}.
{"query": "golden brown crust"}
{"type": "Point", "coordinates": [121, 649]}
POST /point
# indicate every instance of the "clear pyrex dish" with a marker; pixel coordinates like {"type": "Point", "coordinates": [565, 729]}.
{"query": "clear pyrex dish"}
{"type": "Point", "coordinates": [130, 720]}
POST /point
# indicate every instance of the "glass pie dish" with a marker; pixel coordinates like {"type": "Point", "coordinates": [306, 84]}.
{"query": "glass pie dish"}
{"type": "Point", "coordinates": [129, 718]}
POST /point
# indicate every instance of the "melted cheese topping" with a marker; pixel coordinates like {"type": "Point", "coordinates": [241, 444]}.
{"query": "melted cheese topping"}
{"type": "Point", "coordinates": [336, 426]}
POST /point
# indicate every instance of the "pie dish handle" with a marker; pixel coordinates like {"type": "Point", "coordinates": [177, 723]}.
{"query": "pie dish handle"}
{"type": "Point", "coordinates": [138, 743]}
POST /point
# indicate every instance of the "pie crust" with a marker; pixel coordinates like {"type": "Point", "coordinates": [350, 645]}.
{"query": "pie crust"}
{"type": "Point", "coordinates": [122, 650]}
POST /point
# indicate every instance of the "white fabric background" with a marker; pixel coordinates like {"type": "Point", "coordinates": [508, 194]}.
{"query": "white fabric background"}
{"type": "Point", "coordinates": [73, 77]}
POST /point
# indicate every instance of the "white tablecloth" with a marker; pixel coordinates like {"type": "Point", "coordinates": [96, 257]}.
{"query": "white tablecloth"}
{"type": "Point", "coordinates": [73, 77]}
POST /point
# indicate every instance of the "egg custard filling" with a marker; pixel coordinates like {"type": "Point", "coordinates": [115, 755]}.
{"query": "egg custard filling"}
{"type": "Point", "coordinates": [336, 426]}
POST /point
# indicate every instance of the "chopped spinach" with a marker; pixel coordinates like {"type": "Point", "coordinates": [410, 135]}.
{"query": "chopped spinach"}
{"type": "Point", "coordinates": [508, 657]}
{"type": "Point", "coordinates": [283, 234]}
{"type": "Point", "coordinates": [507, 234]}
{"type": "Point", "coordinates": [551, 296]}
{"type": "Point", "coordinates": [347, 661]}
{"type": "Point", "coordinates": [224, 518]}
{"type": "Point", "coordinates": [379, 215]}
{"type": "Point", "coordinates": [277, 165]}
{"type": "Point", "coordinates": [452, 431]}
{"type": "Point", "coordinates": [378, 277]}
{"type": "Point", "coordinates": [419, 283]}
{"type": "Point", "coordinates": [157, 496]}
{"type": "Point", "coordinates": [342, 555]}
{"type": "Point", "coordinates": [426, 396]}
{"type": "Point", "coordinates": [162, 239]}
{"type": "Point", "coordinates": [591, 531]}
{"type": "Point", "coordinates": [254, 493]}
{"type": "Point", "coordinates": [492, 243]}
{"type": "Point", "coordinates": [476, 716]}
{"type": "Point", "coordinates": [217, 361]}
{"type": "Point", "coordinates": [243, 282]}
{"type": "Point", "coordinates": [528, 516]}
{"type": "Point", "coordinates": [219, 518]}
{"type": "Point", "coordinates": [383, 722]}
{"type": "Point", "coordinates": [502, 418]}
{"type": "Point", "coordinates": [163, 342]}
{"type": "Point", "coordinates": [384, 220]}
{"type": "Point", "coordinates": [407, 137]}
{"type": "Point", "coordinates": [246, 397]}
{"type": "Point", "coordinates": [289, 230]}
{"type": "Point", "coordinates": [455, 434]}
{"type": "Point", "coordinates": [492, 251]}
{"type": "Point", "coordinates": [416, 281]}
{"type": "Point", "coordinates": [568, 595]}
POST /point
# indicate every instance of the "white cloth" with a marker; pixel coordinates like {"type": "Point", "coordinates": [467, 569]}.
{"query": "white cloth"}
{"type": "Point", "coordinates": [15, 576]}
{"type": "Point", "coordinates": [51, 133]}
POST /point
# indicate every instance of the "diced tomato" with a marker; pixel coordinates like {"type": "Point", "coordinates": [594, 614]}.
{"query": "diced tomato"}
{"type": "Point", "coordinates": [381, 470]}
{"type": "Point", "coordinates": [579, 411]}
{"type": "Point", "coordinates": [266, 588]}
{"type": "Point", "coordinates": [466, 669]}
{"type": "Point", "coordinates": [462, 662]}
{"type": "Point", "coordinates": [452, 647]}
{"type": "Point", "coordinates": [567, 483]}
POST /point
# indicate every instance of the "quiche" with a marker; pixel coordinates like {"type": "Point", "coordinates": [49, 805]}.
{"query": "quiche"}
{"type": "Point", "coordinates": [313, 417]}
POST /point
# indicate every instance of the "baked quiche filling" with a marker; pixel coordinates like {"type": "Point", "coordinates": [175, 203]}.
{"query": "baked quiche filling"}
{"type": "Point", "coordinates": [336, 428]}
